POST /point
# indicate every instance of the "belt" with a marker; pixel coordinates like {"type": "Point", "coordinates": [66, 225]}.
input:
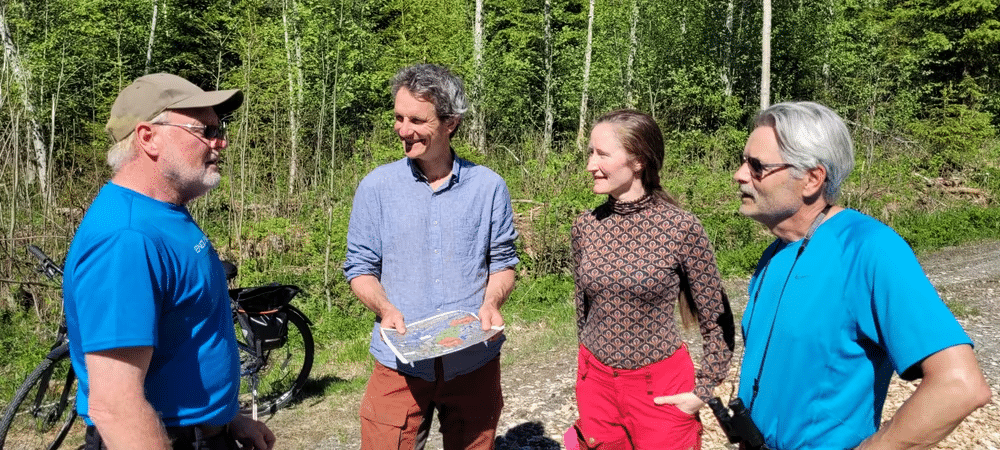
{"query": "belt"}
{"type": "Point", "coordinates": [195, 432]}
{"type": "Point", "coordinates": [186, 434]}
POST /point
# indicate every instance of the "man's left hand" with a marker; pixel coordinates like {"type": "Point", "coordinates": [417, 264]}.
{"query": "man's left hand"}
{"type": "Point", "coordinates": [687, 402]}
{"type": "Point", "coordinates": [490, 316]}
{"type": "Point", "coordinates": [251, 433]}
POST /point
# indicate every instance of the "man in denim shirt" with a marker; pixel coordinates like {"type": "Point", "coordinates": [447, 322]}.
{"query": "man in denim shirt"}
{"type": "Point", "coordinates": [431, 233]}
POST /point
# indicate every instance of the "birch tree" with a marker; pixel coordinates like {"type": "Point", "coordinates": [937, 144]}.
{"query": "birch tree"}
{"type": "Point", "coordinates": [152, 35]}
{"type": "Point", "coordinates": [549, 80]}
{"type": "Point", "coordinates": [632, 49]}
{"type": "Point", "coordinates": [726, 69]}
{"type": "Point", "coordinates": [581, 131]}
{"type": "Point", "coordinates": [765, 56]}
{"type": "Point", "coordinates": [293, 56]}
{"type": "Point", "coordinates": [478, 132]}
{"type": "Point", "coordinates": [22, 78]}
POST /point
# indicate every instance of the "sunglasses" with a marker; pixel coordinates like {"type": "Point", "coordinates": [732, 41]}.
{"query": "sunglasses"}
{"type": "Point", "coordinates": [757, 168]}
{"type": "Point", "coordinates": [207, 131]}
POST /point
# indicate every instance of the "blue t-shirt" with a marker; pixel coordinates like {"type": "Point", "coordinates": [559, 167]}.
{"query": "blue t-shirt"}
{"type": "Point", "coordinates": [141, 273]}
{"type": "Point", "coordinates": [432, 251]}
{"type": "Point", "coordinates": [857, 306]}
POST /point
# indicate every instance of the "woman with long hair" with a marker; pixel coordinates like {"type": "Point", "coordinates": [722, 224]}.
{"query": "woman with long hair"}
{"type": "Point", "coordinates": [639, 255]}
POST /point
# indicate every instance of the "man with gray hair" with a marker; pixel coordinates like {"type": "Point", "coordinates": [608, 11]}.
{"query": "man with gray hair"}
{"type": "Point", "coordinates": [826, 326]}
{"type": "Point", "coordinates": [431, 233]}
{"type": "Point", "coordinates": [147, 306]}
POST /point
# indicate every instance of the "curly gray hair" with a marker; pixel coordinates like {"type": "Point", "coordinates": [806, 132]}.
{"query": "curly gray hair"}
{"type": "Point", "coordinates": [435, 84]}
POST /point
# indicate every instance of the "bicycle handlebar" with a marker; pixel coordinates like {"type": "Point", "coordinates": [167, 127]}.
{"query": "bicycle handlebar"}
{"type": "Point", "coordinates": [37, 252]}
{"type": "Point", "coordinates": [48, 267]}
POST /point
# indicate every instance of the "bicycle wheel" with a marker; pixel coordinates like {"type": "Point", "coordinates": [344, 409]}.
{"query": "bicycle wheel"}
{"type": "Point", "coordinates": [42, 414]}
{"type": "Point", "coordinates": [281, 372]}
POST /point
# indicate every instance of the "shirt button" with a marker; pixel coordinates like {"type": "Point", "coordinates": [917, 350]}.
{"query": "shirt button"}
{"type": "Point", "coordinates": [437, 251]}
{"type": "Point", "coordinates": [437, 281]}
{"type": "Point", "coordinates": [435, 222]}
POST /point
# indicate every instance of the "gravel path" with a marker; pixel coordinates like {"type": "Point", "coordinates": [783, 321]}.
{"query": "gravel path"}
{"type": "Point", "coordinates": [970, 275]}
{"type": "Point", "coordinates": [538, 386]}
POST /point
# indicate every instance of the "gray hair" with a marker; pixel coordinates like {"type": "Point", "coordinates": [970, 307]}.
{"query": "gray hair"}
{"type": "Point", "coordinates": [123, 151]}
{"type": "Point", "coordinates": [812, 135]}
{"type": "Point", "coordinates": [435, 84]}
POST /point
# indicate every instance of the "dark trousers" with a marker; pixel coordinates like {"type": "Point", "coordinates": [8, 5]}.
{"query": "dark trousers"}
{"type": "Point", "coordinates": [181, 438]}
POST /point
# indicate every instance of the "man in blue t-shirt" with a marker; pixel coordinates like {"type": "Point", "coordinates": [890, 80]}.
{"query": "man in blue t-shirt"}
{"type": "Point", "coordinates": [838, 303]}
{"type": "Point", "coordinates": [150, 328]}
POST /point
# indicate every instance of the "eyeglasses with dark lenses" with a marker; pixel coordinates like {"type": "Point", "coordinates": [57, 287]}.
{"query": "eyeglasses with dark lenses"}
{"type": "Point", "coordinates": [757, 168]}
{"type": "Point", "coordinates": [207, 131]}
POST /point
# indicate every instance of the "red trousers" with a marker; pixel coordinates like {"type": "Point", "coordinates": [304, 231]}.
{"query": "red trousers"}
{"type": "Point", "coordinates": [617, 410]}
{"type": "Point", "coordinates": [396, 409]}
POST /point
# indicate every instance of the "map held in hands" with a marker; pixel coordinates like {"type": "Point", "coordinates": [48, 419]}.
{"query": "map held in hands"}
{"type": "Point", "coordinates": [436, 336]}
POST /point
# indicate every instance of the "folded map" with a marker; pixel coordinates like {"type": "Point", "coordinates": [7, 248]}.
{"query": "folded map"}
{"type": "Point", "coordinates": [438, 335]}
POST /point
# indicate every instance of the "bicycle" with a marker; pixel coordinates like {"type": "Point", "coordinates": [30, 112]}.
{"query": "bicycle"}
{"type": "Point", "coordinates": [275, 359]}
{"type": "Point", "coordinates": [43, 410]}
{"type": "Point", "coordinates": [274, 366]}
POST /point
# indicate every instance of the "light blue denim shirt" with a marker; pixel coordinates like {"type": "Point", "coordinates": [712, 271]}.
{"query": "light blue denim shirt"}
{"type": "Point", "coordinates": [432, 251]}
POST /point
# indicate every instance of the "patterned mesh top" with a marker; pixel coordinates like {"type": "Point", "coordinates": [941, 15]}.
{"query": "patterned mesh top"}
{"type": "Point", "coordinates": [629, 260]}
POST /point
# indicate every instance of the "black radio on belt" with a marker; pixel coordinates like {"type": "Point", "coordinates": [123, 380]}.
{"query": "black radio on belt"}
{"type": "Point", "coordinates": [738, 425]}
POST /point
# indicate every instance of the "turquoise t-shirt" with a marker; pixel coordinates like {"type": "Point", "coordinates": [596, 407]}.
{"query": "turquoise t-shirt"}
{"type": "Point", "coordinates": [856, 307]}
{"type": "Point", "coordinates": [141, 273]}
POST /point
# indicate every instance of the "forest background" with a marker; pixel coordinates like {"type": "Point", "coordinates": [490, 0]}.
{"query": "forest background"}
{"type": "Point", "coordinates": [916, 80]}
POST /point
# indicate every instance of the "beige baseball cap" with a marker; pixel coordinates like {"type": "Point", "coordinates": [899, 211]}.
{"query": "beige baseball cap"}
{"type": "Point", "coordinates": [150, 95]}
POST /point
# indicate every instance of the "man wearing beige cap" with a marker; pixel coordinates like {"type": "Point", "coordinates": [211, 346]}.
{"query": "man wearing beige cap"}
{"type": "Point", "coordinates": [151, 333]}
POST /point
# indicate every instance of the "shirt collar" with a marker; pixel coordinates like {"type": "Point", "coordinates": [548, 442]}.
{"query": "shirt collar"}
{"type": "Point", "coordinates": [456, 166]}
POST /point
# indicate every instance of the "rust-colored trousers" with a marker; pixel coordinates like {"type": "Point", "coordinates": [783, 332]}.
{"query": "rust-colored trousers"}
{"type": "Point", "coordinates": [396, 410]}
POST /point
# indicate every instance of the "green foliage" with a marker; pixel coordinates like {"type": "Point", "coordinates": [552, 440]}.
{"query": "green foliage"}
{"type": "Point", "coordinates": [544, 299]}
{"type": "Point", "coordinates": [549, 193]}
{"type": "Point", "coordinates": [24, 342]}
{"type": "Point", "coordinates": [951, 227]}
{"type": "Point", "coordinates": [953, 137]}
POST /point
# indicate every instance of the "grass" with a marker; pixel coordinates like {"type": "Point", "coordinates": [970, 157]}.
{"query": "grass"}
{"type": "Point", "coordinates": [962, 309]}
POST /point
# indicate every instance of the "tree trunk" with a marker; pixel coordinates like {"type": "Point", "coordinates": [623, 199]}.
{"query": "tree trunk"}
{"type": "Point", "coordinates": [152, 35]}
{"type": "Point", "coordinates": [293, 59]}
{"type": "Point", "coordinates": [581, 131]}
{"type": "Point", "coordinates": [336, 87]}
{"type": "Point", "coordinates": [633, 38]}
{"type": "Point", "coordinates": [37, 156]}
{"type": "Point", "coordinates": [549, 116]}
{"type": "Point", "coordinates": [478, 131]}
{"type": "Point", "coordinates": [765, 57]}
{"type": "Point", "coordinates": [727, 55]}
{"type": "Point", "coordinates": [321, 120]}
{"type": "Point", "coordinates": [52, 141]}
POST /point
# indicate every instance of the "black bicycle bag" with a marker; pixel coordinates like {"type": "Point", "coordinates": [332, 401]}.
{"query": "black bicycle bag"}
{"type": "Point", "coordinates": [262, 314]}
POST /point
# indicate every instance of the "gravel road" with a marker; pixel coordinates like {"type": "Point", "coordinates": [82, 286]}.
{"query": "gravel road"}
{"type": "Point", "coordinates": [970, 276]}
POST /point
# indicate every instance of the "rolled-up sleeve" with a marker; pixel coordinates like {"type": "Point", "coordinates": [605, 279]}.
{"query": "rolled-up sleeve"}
{"type": "Point", "coordinates": [503, 252]}
{"type": "Point", "coordinates": [364, 240]}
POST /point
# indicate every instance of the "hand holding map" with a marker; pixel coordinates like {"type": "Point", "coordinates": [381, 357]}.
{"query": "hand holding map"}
{"type": "Point", "coordinates": [436, 336]}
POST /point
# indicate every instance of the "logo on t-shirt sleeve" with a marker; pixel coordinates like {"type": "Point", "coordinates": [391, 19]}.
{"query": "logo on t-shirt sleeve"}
{"type": "Point", "coordinates": [202, 244]}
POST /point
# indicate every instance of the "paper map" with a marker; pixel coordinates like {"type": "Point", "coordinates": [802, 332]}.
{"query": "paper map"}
{"type": "Point", "coordinates": [435, 336]}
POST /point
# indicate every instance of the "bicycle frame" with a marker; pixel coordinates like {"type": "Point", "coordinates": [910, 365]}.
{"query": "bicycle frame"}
{"type": "Point", "coordinates": [55, 354]}
{"type": "Point", "coordinates": [32, 400]}
{"type": "Point", "coordinates": [52, 270]}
